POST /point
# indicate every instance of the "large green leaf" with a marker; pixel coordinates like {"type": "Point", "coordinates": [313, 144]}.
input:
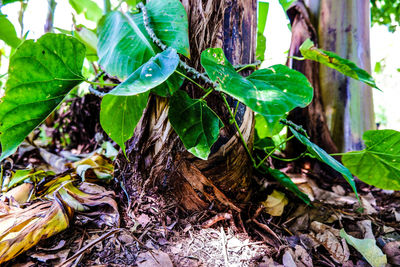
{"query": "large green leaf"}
{"type": "Point", "coordinates": [271, 92]}
{"type": "Point", "coordinates": [368, 248]}
{"type": "Point", "coordinates": [379, 163]}
{"type": "Point", "coordinates": [89, 39]}
{"type": "Point", "coordinates": [7, 32]}
{"type": "Point", "coordinates": [324, 157]}
{"type": "Point", "coordinates": [195, 123]}
{"type": "Point", "coordinates": [169, 20]}
{"type": "Point", "coordinates": [41, 74]}
{"type": "Point", "coordinates": [151, 74]}
{"type": "Point", "coordinates": [334, 61]}
{"type": "Point", "coordinates": [261, 21]}
{"type": "Point", "coordinates": [89, 8]}
{"type": "Point", "coordinates": [124, 44]}
{"type": "Point", "coordinates": [119, 115]}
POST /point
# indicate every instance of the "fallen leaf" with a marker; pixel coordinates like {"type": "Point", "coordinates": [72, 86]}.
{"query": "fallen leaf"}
{"type": "Point", "coordinates": [20, 193]}
{"type": "Point", "coordinates": [392, 250]}
{"type": "Point", "coordinates": [275, 203]}
{"type": "Point", "coordinates": [368, 248]}
{"type": "Point", "coordinates": [155, 258]}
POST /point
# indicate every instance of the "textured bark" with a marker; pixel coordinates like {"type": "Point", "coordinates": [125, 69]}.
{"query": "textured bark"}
{"type": "Point", "coordinates": [342, 105]}
{"type": "Point", "coordinates": [157, 156]}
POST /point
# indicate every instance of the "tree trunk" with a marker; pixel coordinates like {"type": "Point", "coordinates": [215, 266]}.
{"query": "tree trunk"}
{"type": "Point", "coordinates": [158, 159]}
{"type": "Point", "coordinates": [342, 105]}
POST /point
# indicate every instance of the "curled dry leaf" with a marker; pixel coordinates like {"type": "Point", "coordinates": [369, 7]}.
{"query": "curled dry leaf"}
{"type": "Point", "coordinates": [275, 203]}
{"type": "Point", "coordinates": [21, 229]}
{"type": "Point", "coordinates": [328, 238]}
{"type": "Point", "coordinates": [20, 193]}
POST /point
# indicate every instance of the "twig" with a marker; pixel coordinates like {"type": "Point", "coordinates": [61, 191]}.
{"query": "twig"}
{"type": "Point", "coordinates": [217, 218]}
{"type": "Point", "coordinates": [93, 90]}
{"type": "Point", "coordinates": [266, 228]}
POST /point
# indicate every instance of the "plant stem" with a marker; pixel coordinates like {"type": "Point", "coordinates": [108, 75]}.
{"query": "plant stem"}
{"type": "Point", "coordinates": [273, 150]}
{"type": "Point", "coordinates": [102, 84]}
{"type": "Point", "coordinates": [237, 107]}
{"type": "Point", "coordinates": [297, 58]}
{"type": "Point", "coordinates": [289, 160]}
{"type": "Point", "coordinates": [191, 80]}
{"type": "Point", "coordinates": [241, 67]}
{"type": "Point", "coordinates": [238, 129]}
{"type": "Point", "coordinates": [107, 6]}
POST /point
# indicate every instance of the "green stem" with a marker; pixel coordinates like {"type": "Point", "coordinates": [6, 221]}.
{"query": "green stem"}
{"type": "Point", "coordinates": [273, 150]}
{"type": "Point", "coordinates": [289, 160]}
{"type": "Point", "coordinates": [236, 109]}
{"type": "Point", "coordinates": [206, 94]}
{"type": "Point", "coordinates": [107, 6]}
{"type": "Point", "coordinates": [238, 129]}
{"type": "Point", "coordinates": [101, 84]}
{"type": "Point", "coordinates": [297, 58]}
{"type": "Point", "coordinates": [1, 177]}
{"type": "Point", "coordinates": [191, 80]}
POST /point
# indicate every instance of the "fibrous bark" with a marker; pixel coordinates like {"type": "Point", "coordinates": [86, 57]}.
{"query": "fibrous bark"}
{"type": "Point", "coordinates": [157, 157]}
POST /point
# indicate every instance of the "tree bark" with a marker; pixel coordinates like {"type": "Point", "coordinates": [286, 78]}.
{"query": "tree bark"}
{"type": "Point", "coordinates": [342, 109]}
{"type": "Point", "coordinates": [158, 159]}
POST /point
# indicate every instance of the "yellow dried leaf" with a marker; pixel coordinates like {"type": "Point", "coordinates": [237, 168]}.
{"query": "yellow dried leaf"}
{"type": "Point", "coordinates": [95, 168]}
{"type": "Point", "coordinates": [275, 203]}
{"type": "Point", "coordinates": [21, 229]}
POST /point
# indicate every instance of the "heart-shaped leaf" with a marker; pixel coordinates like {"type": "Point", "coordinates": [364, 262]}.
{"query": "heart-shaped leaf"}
{"type": "Point", "coordinates": [124, 44]}
{"type": "Point", "coordinates": [334, 61]}
{"type": "Point", "coordinates": [379, 163]}
{"type": "Point", "coordinates": [41, 74]}
{"type": "Point", "coordinates": [119, 116]}
{"type": "Point", "coordinates": [322, 156]}
{"type": "Point", "coordinates": [271, 92]}
{"type": "Point", "coordinates": [151, 74]}
{"type": "Point", "coordinates": [7, 32]}
{"type": "Point", "coordinates": [195, 123]}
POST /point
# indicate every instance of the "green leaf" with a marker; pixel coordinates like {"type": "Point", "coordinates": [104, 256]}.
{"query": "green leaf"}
{"type": "Point", "coordinates": [124, 44]}
{"type": "Point", "coordinates": [368, 248]}
{"type": "Point", "coordinates": [153, 73]}
{"type": "Point", "coordinates": [264, 129]}
{"type": "Point", "coordinates": [89, 39]}
{"type": "Point", "coordinates": [286, 4]}
{"type": "Point", "coordinates": [379, 163]}
{"type": "Point", "coordinates": [322, 156]}
{"type": "Point", "coordinates": [271, 92]}
{"type": "Point", "coordinates": [169, 20]}
{"type": "Point", "coordinates": [285, 180]}
{"type": "Point", "coordinates": [41, 74]}
{"type": "Point", "coordinates": [195, 123]}
{"type": "Point", "coordinates": [334, 61]}
{"type": "Point", "coordinates": [262, 19]}
{"type": "Point", "coordinates": [119, 116]}
{"type": "Point", "coordinates": [89, 8]}
{"type": "Point", "coordinates": [7, 32]}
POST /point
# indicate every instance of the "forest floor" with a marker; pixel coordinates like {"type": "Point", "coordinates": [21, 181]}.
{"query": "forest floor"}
{"type": "Point", "coordinates": [152, 232]}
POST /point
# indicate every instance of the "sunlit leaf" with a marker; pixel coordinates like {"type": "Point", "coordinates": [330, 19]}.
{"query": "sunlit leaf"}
{"type": "Point", "coordinates": [195, 123]}
{"type": "Point", "coordinates": [120, 114]}
{"type": "Point", "coordinates": [271, 92]}
{"type": "Point", "coordinates": [334, 61]}
{"type": "Point", "coordinates": [262, 19]}
{"type": "Point", "coordinates": [368, 248]}
{"type": "Point", "coordinates": [322, 156]}
{"type": "Point", "coordinates": [95, 168]}
{"type": "Point", "coordinates": [21, 229]}
{"type": "Point", "coordinates": [7, 32]}
{"type": "Point", "coordinates": [89, 39]}
{"type": "Point", "coordinates": [379, 163]}
{"type": "Point", "coordinates": [22, 175]}
{"type": "Point", "coordinates": [41, 74]}
{"type": "Point", "coordinates": [151, 74]}
{"type": "Point", "coordinates": [275, 203]}
{"type": "Point", "coordinates": [88, 7]}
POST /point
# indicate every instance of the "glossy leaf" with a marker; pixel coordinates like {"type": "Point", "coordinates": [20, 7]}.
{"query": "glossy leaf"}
{"type": "Point", "coordinates": [379, 163]}
{"type": "Point", "coordinates": [334, 61]}
{"type": "Point", "coordinates": [41, 74]}
{"type": "Point", "coordinates": [7, 32]}
{"type": "Point", "coordinates": [169, 20]}
{"type": "Point", "coordinates": [120, 114]}
{"type": "Point", "coordinates": [88, 7]}
{"type": "Point", "coordinates": [368, 248]}
{"type": "Point", "coordinates": [264, 129]}
{"type": "Point", "coordinates": [124, 44]}
{"type": "Point", "coordinates": [271, 92]}
{"type": "Point", "coordinates": [285, 180]}
{"type": "Point", "coordinates": [153, 73]}
{"type": "Point", "coordinates": [262, 19]}
{"type": "Point", "coordinates": [324, 157]}
{"type": "Point", "coordinates": [195, 123]}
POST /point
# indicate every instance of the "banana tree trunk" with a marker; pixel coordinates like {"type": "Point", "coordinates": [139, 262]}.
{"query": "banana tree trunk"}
{"type": "Point", "coordinates": [157, 158]}
{"type": "Point", "coordinates": [340, 26]}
